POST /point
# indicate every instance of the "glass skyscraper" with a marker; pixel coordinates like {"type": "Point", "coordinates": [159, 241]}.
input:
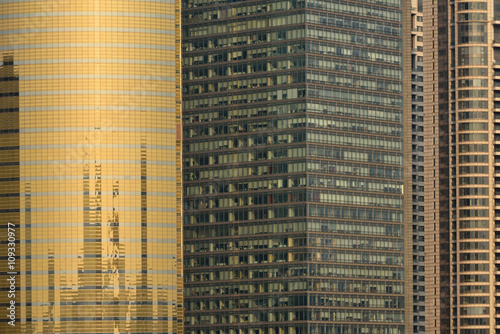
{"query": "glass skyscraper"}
{"type": "Point", "coordinates": [296, 157]}
{"type": "Point", "coordinates": [90, 156]}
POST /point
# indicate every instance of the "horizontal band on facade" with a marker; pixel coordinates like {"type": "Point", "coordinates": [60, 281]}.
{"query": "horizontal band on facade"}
{"type": "Point", "coordinates": [113, 302]}
{"type": "Point", "coordinates": [96, 146]}
{"type": "Point", "coordinates": [100, 240]}
{"type": "Point", "coordinates": [97, 107]}
{"type": "Point", "coordinates": [82, 177]}
{"type": "Point", "coordinates": [97, 92]}
{"type": "Point", "coordinates": [97, 76]}
{"type": "Point", "coordinates": [96, 209]}
{"type": "Point", "coordinates": [94, 162]}
{"type": "Point", "coordinates": [69, 46]}
{"type": "Point", "coordinates": [114, 319]}
{"type": "Point", "coordinates": [97, 256]}
{"type": "Point", "coordinates": [100, 224]}
{"type": "Point", "coordinates": [94, 61]}
{"type": "Point", "coordinates": [90, 209]}
{"type": "Point", "coordinates": [90, 193]}
{"type": "Point", "coordinates": [93, 129]}
{"type": "Point", "coordinates": [98, 271]}
{"type": "Point", "coordinates": [85, 13]}
{"type": "Point", "coordinates": [86, 29]}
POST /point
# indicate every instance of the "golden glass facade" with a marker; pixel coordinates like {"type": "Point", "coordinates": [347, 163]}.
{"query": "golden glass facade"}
{"type": "Point", "coordinates": [90, 150]}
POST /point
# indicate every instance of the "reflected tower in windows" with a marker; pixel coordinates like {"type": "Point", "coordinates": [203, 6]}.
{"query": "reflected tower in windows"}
{"type": "Point", "coordinates": [90, 129]}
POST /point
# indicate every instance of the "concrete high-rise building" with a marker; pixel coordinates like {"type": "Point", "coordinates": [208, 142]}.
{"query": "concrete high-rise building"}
{"type": "Point", "coordinates": [90, 119]}
{"type": "Point", "coordinates": [297, 151]}
{"type": "Point", "coordinates": [462, 206]}
{"type": "Point", "coordinates": [417, 116]}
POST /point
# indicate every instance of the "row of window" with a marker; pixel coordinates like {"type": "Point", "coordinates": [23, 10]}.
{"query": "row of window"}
{"type": "Point", "coordinates": [226, 306]}
{"type": "Point", "coordinates": [474, 289]}
{"type": "Point", "coordinates": [195, 116]}
{"type": "Point", "coordinates": [269, 65]}
{"type": "Point", "coordinates": [342, 138]}
{"type": "Point", "coordinates": [249, 156]}
{"type": "Point", "coordinates": [354, 82]}
{"type": "Point", "coordinates": [481, 245]}
{"type": "Point", "coordinates": [309, 328]}
{"type": "Point", "coordinates": [321, 107]}
{"type": "Point", "coordinates": [332, 138]}
{"type": "Point", "coordinates": [474, 256]}
{"type": "Point", "coordinates": [473, 126]}
{"type": "Point", "coordinates": [293, 315]}
{"type": "Point", "coordinates": [349, 22]}
{"type": "Point", "coordinates": [466, 148]}
{"type": "Point", "coordinates": [352, 37]}
{"type": "Point", "coordinates": [273, 124]}
{"type": "Point", "coordinates": [353, 96]}
{"type": "Point", "coordinates": [473, 137]}
{"type": "Point", "coordinates": [359, 9]}
{"type": "Point", "coordinates": [225, 85]}
{"type": "Point", "coordinates": [243, 200]}
{"type": "Point", "coordinates": [391, 158]}
{"type": "Point", "coordinates": [239, 8]}
{"type": "Point", "coordinates": [276, 197]}
{"type": "Point", "coordinates": [316, 166]}
{"type": "Point", "coordinates": [474, 223]}
{"type": "Point", "coordinates": [216, 187]}
{"type": "Point", "coordinates": [241, 229]}
{"type": "Point", "coordinates": [472, 159]}
{"type": "Point", "coordinates": [316, 225]}
{"type": "Point", "coordinates": [355, 184]}
{"type": "Point", "coordinates": [293, 256]}
{"type": "Point", "coordinates": [236, 215]}
{"type": "Point", "coordinates": [271, 23]}
{"type": "Point", "coordinates": [368, 199]}
{"type": "Point", "coordinates": [311, 121]}
{"type": "Point", "coordinates": [248, 52]}
{"type": "Point", "coordinates": [290, 285]}
{"type": "Point", "coordinates": [356, 52]}
{"type": "Point", "coordinates": [353, 66]}
{"type": "Point", "coordinates": [346, 168]}
{"type": "Point", "coordinates": [327, 211]}
{"type": "Point", "coordinates": [261, 96]}
{"type": "Point", "coordinates": [289, 270]}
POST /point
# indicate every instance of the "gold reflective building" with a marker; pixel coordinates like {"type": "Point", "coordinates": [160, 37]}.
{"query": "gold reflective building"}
{"type": "Point", "coordinates": [89, 166]}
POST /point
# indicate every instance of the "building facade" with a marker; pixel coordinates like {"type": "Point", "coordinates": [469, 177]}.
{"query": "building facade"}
{"type": "Point", "coordinates": [417, 158]}
{"type": "Point", "coordinates": [461, 56]}
{"type": "Point", "coordinates": [90, 119]}
{"type": "Point", "coordinates": [297, 148]}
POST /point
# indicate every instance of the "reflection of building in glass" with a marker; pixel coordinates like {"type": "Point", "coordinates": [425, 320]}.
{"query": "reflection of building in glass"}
{"type": "Point", "coordinates": [293, 167]}
{"type": "Point", "coordinates": [88, 165]}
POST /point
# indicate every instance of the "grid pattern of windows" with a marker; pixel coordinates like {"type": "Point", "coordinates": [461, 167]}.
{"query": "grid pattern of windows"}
{"type": "Point", "coordinates": [293, 167]}
{"type": "Point", "coordinates": [417, 115]}
{"type": "Point", "coordinates": [471, 204]}
{"type": "Point", "coordinates": [90, 157]}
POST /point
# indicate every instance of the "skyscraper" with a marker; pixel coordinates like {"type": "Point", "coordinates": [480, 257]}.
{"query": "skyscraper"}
{"type": "Point", "coordinates": [417, 158]}
{"type": "Point", "coordinates": [90, 166]}
{"type": "Point", "coordinates": [297, 151]}
{"type": "Point", "coordinates": [461, 57]}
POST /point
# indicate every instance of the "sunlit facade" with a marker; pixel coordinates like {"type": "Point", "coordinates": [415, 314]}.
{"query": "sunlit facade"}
{"type": "Point", "coordinates": [297, 167]}
{"type": "Point", "coordinates": [417, 161]}
{"type": "Point", "coordinates": [462, 154]}
{"type": "Point", "coordinates": [90, 165]}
